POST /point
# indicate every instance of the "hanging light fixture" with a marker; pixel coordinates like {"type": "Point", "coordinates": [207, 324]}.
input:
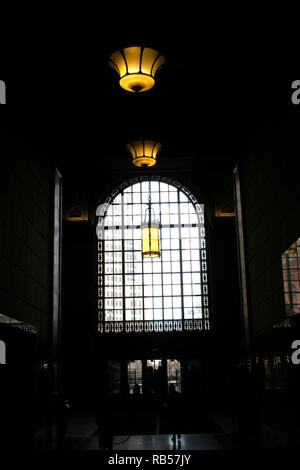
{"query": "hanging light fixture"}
{"type": "Point", "coordinates": [144, 152]}
{"type": "Point", "coordinates": [136, 67]}
{"type": "Point", "coordinates": [291, 249]}
{"type": "Point", "coordinates": [150, 232]}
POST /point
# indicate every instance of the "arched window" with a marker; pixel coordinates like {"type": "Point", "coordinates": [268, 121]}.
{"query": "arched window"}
{"type": "Point", "coordinates": [165, 293]}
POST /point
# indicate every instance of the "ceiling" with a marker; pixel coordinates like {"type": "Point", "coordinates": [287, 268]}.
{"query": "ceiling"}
{"type": "Point", "coordinates": [223, 68]}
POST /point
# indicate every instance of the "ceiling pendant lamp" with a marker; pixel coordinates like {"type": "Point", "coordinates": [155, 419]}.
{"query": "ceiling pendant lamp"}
{"type": "Point", "coordinates": [136, 67]}
{"type": "Point", "coordinates": [150, 233]}
{"type": "Point", "coordinates": [144, 152]}
{"type": "Point", "coordinates": [291, 249]}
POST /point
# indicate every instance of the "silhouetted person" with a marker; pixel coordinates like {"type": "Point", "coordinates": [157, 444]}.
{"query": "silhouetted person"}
{"type": "Point", "coordinates": [105, 425]}
{"type": "Point", "coordinates": [62, 413]}
{"type": "Point", "coordinates": [148, 381]}
{"type": "Point", "coordinates": [158, 385]}
{"type": "Point", "coordinates": [173, 413]}
{"type": "Point", "coordinates": [26, 420]}
{"type": "Point", "coordinates": [136, 389]}
{"type": "Point", "coordinates": [246, 406]}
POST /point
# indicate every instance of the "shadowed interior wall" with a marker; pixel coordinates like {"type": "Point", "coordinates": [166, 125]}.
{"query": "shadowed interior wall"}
{"type": "Point", "coordinates": [270, 196]}
{"type": "Point", "coordinates": [26, 241]}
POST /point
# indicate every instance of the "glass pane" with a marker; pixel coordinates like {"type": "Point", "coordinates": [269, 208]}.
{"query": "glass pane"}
{"type": "Point", "coordinates": [134, 374]}
{"type": "Point", "coordinates": [164, 197]}
{"type": "Point", "coordinates": [187, 289]}
{"type": "Point", "coordinates": [157, 291]}
{"type": "Point", "coordinates": [173, 196]}
{"type": "Point", "coordinates": [166, 266]}
{"type": "Point", "coordinates": [177, 314]}
{"type": "Point", "coordinates": [109, 280]}
{"type": "Point", "coordinates": [188, 301]}
{"type": "Point", "coordinates": [128, 280]}
{"type": "Point", "coordinates": [196, 289]}
{"type": "Point", "coordinates": [167, 290]}
{"type": "Point", "coordinates": [175, 266]}
{"type": "Point", "coordinates": [138, 291]}
{"type": "Point", "coordinates": [197, 313]}
{"type": "Point", "coordinates": [148, 279]}
{"type": "Point", "coordinates": [177, 290]}
{"type": "Point", "coordinates": [168, 313]}
{"type": "Point", "coordinates": [167, 278]}
{"type": "Point", "coordinates": [118, 280]}
{"type": "Point", "coordinates": [186, 266]}
{"type": "Point", "coordinates": [128, 291]}
{"type": "Point", "coordinates": [165, 244]}
{"type": "Point", "coordinates": [176, 302]}
{"type": "Point", "coordinates": [188, 313]}
{"type": "Point", "coordinates": [148, 302]}
{"type": "Point", "coordinates": [186, 255]}
{"type": "Point", "coordinates": [148, 291]}
{"type": "Point", "coordinates": [175, 255]}
{"type": "Point", "coordinates": [157, 314]}
{"type": "Point", "coordinates": [157, 279]}
{"type": "Point", "coordinates": [148, 314]}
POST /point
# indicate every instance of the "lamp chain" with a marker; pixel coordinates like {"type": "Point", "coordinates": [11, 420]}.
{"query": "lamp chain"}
{"type": "Point", "coordinates": [149, 202]}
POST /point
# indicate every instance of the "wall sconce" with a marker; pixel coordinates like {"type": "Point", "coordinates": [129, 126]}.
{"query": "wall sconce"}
{"type": "Point", "coordinates": [291, 249]}
{"type": "Point", "coordinates": [136, 67]}
{"type": "Point", "coordinates": [144, 152]}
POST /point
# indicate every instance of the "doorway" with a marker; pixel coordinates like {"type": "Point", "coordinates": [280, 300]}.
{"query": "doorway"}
{"type": "Point", "coordinates": [153, 376]}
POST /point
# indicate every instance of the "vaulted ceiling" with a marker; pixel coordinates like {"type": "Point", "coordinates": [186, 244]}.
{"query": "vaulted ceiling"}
{"type": "Point", "coordinates": [223, 68]}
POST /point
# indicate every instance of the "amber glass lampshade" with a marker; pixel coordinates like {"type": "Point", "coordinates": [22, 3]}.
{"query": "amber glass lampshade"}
{"type": "Point", "coordinates": [136, 67]}
{"type": "Point", "coordinates": [150, 240]}
{"type": "Point", "coordinates": [291, 249]}
{"type": "Point", "coordinates": [144, 152]}
{"type": "Point", "coordinates": [150, 237]}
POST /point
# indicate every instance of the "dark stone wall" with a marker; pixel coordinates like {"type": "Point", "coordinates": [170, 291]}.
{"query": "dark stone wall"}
{"type": "Point", "coordinates": [26, 224]}
{"type": "Point", "coordinates": [79, 312]}
{"type": "Point", "coordinates": [271, 197]}
{"type": "Point", "coordinates": [25, 228]}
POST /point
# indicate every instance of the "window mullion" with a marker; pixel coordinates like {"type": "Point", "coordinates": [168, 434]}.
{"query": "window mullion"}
{"type": "Point", "coordinates": [161, 261]}
{"type": "Point", "coordinates": [143, 281]}
{"type": "Point", "coordinates": [123, 261]}
{"type": "Point", "coordinates": [180, 258]}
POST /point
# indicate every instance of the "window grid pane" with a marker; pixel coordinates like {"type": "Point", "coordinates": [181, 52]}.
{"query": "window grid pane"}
{"type": "Point", "coordinates": [291, 278]}
{"type": "Point", "coordinates": [167, 293]}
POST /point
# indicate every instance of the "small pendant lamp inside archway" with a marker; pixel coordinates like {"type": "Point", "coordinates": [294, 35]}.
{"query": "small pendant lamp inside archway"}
{"type": "Point", "coordinates": [144, 152]}
{"type": "Point", "coordinates": [150, 233]}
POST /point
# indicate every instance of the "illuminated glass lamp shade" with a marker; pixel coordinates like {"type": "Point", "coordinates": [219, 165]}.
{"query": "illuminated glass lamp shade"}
{"type": "Point", "coordinates": [136, 67]}
{"type": "Point", "coordinates": [291, 249]}
{"type": "Point", "coordinates": [150, 239]}
{"type": "Point", "coordinates": [144, 152]}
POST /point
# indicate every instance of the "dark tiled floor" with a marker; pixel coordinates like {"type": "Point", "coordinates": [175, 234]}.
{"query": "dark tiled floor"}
{"type": "Point", "coordinates": [221, 436]}
{"type": "Point", "coordinates": [164, 442]}
{"type": "Point", "coordinates": [82, 435]}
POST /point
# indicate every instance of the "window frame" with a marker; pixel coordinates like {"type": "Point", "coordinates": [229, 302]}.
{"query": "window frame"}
{"type": "Point", "coordinates": [123, 325]}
